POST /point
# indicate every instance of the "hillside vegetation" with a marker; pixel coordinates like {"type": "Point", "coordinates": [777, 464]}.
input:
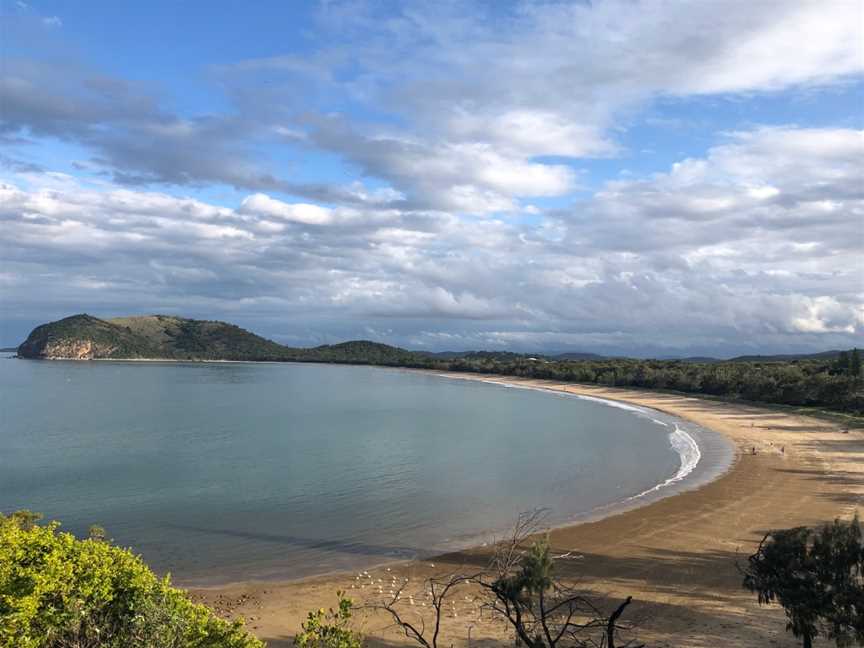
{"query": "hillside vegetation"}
{"type": "Point", "coordinates": [359, 352]}
{"type": "Point", "coordinates": [835, 384]}
{"type": "Point", "coordinates": [84, 337]}
{"type": "Point", "coordinates": [830, 380]}
{"type": "Point", "coordinates": [180, 338]}
{"type": "Point", "coordinates": [57, 591]}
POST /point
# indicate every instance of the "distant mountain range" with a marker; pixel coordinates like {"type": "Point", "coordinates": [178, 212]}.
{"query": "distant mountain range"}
{"type": "Point", "coordinates": [510, 355]}
{"type": "Point", "coordinates": [167, 337]}
{"type": "Point", "coordinates": [574, 355]}
{"type": "Point", "coordinates": [824, 355]}
{"type": "Point", "coordinates": [577, 356]}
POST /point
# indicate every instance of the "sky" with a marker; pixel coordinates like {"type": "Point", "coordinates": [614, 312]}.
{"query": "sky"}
{"type": "Point", "coordinates": [632, 178]}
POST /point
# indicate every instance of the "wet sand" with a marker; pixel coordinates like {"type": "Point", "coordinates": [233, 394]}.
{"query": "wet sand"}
{"type": "Point", "coordinates": [677, 557]}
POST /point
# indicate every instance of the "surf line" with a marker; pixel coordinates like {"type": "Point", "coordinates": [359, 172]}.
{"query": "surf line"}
{"type": "Point", "coordinates": [680, 440]}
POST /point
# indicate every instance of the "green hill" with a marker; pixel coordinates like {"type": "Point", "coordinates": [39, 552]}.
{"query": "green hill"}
{"type": "Point", "coordinates": [360, 352]}
{"type": "Point", "coordinates": [166, 337]}
{"type": "Point", "coordinates": [181, 338]}
{"type": "Point", "coordinates": [84, 337]}
{"type": "Point", "coordinates": [829, 380]}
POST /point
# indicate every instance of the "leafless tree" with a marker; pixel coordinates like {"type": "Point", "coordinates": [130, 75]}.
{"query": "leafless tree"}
{"type": "Point", "coordinates": [414, 624]}
{"type": "Point", "coordinates": [545, 611]}
{"type": "Point", "coordinates": [520, 586]}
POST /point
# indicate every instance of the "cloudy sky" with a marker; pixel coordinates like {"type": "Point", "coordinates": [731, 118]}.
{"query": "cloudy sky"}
{"type": "Point", "coordinates": [651, 178]}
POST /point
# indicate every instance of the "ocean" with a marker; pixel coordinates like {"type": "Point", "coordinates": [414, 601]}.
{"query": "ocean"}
{"type": "Point", "coordinates": [218, 472]}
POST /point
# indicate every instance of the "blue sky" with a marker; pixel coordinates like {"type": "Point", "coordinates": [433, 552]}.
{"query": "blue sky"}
{"type": "Point", "coordinates": [617, 176]}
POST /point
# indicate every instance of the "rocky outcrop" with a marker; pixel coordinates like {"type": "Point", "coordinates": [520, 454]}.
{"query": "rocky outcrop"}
{"type": "Point", "coordinates": [168, 337]}
{"type": "Point", "coordinates": [82, 337]}
{"type": "Point", "coordinates": [68, 350]}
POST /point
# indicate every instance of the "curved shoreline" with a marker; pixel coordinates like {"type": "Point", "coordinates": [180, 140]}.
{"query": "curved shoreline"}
{"type": "Point", "coordinates": [719, 455]}
{"type": "Point", "coordinates": [691, 474]}
{"type": "Point", "coordinates": [720, 450]}
{"type": "Point", "coordinates": [675, 556]}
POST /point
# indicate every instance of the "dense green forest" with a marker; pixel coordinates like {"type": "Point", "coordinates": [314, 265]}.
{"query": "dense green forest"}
{"type": "Point", "coordinates": [833, 384]}
{"type": "Point", "coordinates": [830, 380]}
{"type": "Point", "coordinates": [826, 381]}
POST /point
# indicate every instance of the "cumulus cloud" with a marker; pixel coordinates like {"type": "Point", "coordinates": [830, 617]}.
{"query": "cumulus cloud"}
{"type": "Point", "coordinates": [445, 129]}
{"type": "Point", "coordinates": [766, 180]}
{"type": "Point", "coordinates": [469, 177]}
{"type": "Point", "coordinates": [531, 133]}
{"type": "Point", "coordinates": [552, 79]}
{"type": "Point", "coordinates": [301, 213]}
{"type": "Point", "coordinates": [735, 250]}
{"type": "Point", "coordinates": [468, 100]}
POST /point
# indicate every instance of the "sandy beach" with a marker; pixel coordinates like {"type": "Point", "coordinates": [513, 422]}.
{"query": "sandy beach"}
{"type": "Point", "coordinates": [676, 557]}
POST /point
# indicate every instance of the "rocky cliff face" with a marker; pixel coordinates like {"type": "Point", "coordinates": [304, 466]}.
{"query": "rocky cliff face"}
{"type": "Point", "coordinates": [82, 337]}
{"type": "Point", "coordinates": [66, 350]}
{"type": "Point", "coordinates": [168, 337]}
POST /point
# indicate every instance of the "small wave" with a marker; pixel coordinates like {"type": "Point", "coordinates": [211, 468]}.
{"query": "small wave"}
{"type": "Point", "coordinates": [681, 442]}
{"type": "Point", "coordinates": [559, 392]}
{"type": "Point", "coordinates": [688, 450]}
{"type": "Point", "coordinates": [612, 403]}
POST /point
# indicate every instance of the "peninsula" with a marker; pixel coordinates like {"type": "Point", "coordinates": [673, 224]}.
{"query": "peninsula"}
{"type": "Point", "coordinates": [167, 337]}
{"type": "Point", "coordinates": [830, 380]}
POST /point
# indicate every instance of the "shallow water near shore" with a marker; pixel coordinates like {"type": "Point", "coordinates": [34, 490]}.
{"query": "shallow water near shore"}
{"type": "Point", "coordinates": [223, 472]}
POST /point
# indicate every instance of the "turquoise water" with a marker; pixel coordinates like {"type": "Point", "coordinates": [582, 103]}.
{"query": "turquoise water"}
{"type": "Point", "coordinates": [219, 472]}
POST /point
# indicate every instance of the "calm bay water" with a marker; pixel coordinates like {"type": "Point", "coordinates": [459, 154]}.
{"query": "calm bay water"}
{"type": "Point", "coordinates": [220, 472]}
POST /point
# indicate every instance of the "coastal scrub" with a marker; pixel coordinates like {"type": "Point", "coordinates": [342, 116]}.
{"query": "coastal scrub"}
{"type": "Point", "coordinates": [58, 591]}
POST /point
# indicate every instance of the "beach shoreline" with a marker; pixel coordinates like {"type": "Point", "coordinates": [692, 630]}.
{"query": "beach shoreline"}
{"type": "Point", "coordinates": [675, 556]}
{"type": "Point", "coordinates": [714, 456]}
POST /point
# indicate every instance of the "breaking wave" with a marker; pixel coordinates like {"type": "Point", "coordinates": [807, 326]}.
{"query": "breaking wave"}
{"type": "Point", "coordinates": [679, 439]}
{"type": "Point", "coordinates": [689, 453]}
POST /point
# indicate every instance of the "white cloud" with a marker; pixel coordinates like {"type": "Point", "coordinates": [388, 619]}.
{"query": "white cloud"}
{"type": "Point", "coordinates": [796, 42]}
{"type": "Point", "coordinates": [451, 113]}
{"type": "Point", "coordinates": [470, 99]}
{"type": "Point", "coordinates": [297, 212]}
{"type": "Point", "coordinates": [730, 251]}
{"type": "Point", "coordinates": [532, 133]}
{"type": "Point", "coordinates": [473, 177]}
{"type": "Point", "coordinates": [480, 96]}
{"type": "Point", "coordinates": [825, 314]}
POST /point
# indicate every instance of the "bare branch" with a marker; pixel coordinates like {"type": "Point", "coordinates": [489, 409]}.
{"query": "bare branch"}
{"type": "Point", "coordinates": [440, 588]}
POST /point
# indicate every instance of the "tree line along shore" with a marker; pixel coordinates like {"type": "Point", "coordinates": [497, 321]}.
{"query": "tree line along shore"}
{"type": "Point", "coordinates": [58, 590]}
{"type": "Point", "coordinates": [831, 381]}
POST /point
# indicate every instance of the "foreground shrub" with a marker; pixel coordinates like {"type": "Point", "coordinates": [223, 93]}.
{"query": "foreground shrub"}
{"type": "Point", "coordinates": [817, 575]}
{"type": "Point", "coordinates": [60, 592]}
{"type": "Point", "coordinates": [331, 629]}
